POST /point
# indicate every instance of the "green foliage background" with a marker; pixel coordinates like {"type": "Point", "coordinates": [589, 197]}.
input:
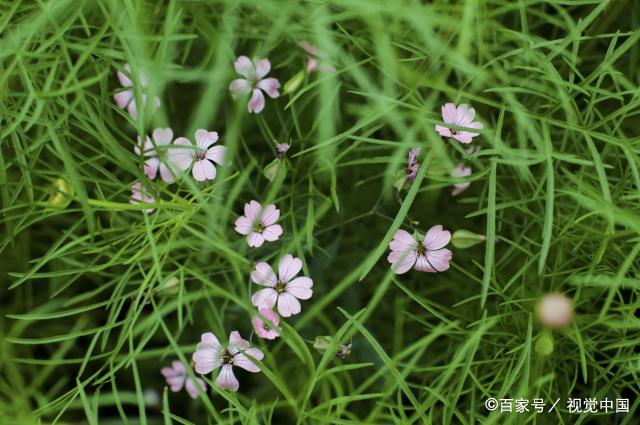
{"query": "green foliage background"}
{"type": "Point", "coordinates": [555, 182]}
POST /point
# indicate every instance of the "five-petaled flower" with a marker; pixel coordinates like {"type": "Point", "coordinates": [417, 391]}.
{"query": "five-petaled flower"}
{"type": "Point", "coordinates": [460, 171]}
{"type": "Point", "coordinates": [430, 255]}
{"type": "Point", "coordinates": [161, 137]}
{"type": "Point", "coordinates": [140, 194]}
{"type": "Point", "coordinates": [282, 289]}
{"type": "Point", "coordinates": [259, 223]}
{"type": "Point", "coordinates": [461, 116]}
{"type": "Point", "coordinates": [201, 156]}
{"type": "Point", "coordinates": [211, 355]}
{"type": "Point", "coordinates": [267, 329]}
{"type": "Point", "coordinates": [177, 377]}
{"type": "Point", "coordinates": [254, 82]}
{"type": "Point", "coordinates": [126, 98]}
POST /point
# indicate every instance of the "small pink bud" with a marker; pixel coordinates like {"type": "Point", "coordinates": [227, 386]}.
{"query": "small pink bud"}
{"type": "Point", "coordinates": [555, 311]}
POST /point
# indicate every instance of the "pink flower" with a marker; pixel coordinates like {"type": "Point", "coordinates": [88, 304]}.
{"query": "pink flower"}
{"type": "Point", "coordinates": [461, 116]}
{"type": "Point", "coordinates": [259, 224]}
{"type": "Point", "coordinates": [316, 58]}
{"type": "Point", "coordinates": [282, 149]}
{"type": "Point", "coordinates": [283, 289]}
{"type": "Point", "coordinates": [428, 256]}
{"type": "Point", "coordinates": [140, 194]}
{"type": "Point", "coordinates": [254, 82]}
{"type": "Point", "coordinates": [460, 171]}
{"type": "Point", "coordinates": [126, 98]}
{"type": "Point", "coordinates": [412, 164]}
{"type": "Point", "coordinates": [161, 137]}
{"type": "Point", "coordinates": [201, 156]}
{"type": "Point", "coordinates": [177, 377]}
{"type": "Point", "coordinates": [264, 329]}
{"type": "Point", "coordinates": [211, 355]}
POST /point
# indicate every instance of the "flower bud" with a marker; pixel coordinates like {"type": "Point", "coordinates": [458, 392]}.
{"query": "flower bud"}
{"type": "Point", "coordinates": [322, 343]}
{"type": "Point", "coordinates": [544, 344]}
{"type": "Point", "coordinates": [61, 194]}
{"type": "Point", "coordinates": [555, 311]}
{"type": "Point", "coordinates": [465, 239]}
{"type": "Point", "coordinates": [293, 83]}
{"type": "Point", "coordinates": [171, 286]}
{"type": "Point", "coordinates": [274, 168]}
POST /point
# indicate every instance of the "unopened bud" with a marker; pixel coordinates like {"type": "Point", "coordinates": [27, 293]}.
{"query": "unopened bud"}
{"type": "Point", "coordinates": [465, 239]}
{"type": "Point", "coordinates": [555, 311]}
{"type": "Point", "coordinates": [61, 194]}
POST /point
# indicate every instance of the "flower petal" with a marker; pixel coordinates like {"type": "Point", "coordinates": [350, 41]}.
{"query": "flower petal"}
{"type": "Point", "coordinates": [192, 389]}
{"type": "Point", "coordinates": [288, 268]}
{"type": "Point", "coordinates": [256, 103]}
{"type": "Point", "coordinates": [151, 166]}
{"type": "Point", "coordinates": [449, 113]}
{"type": "Point", "coordinates": [243, 225]}
{"type": "Point", "coordinates": [288, 305]}
{"type": "Point", "coordinates": [244, 66]}
{"type": "Point", "coordinates": [458, 188]}
{"type": "Point", "coordinates": [266, 328]}
{"type": "Point", "coordinates": [423, 265]}
{"type": "Point", "coordinates": [241, 360]}
{"type": "Point", "coordinates": [182, 158]}
{"type": "Point", "coordinates": [207, 355]}
{"type": "Point", "coordinates": [263, 66]}
{"type": "Point", "coordinates": [464, 115]}
{"type": "Point", "coordinates": [236, 342]}
{"type": "Point", "coordinates": [216, 154]}
{"type": "Point", "coordinates": [166, 174]}
{"type": "Point", "coordinates": [124, 79]}
{"type": "Point", "coordinates": [132, 109]}
{"type": "Point", "coordinates": [123, 98]}
{"type": "Point", "coordinates": [252, 210]}
{"type": "Point", "coordinates": [175, 382]}
{"type": "Point", "coordinates": [239, 87]}
{"type": "Point", "coordinates": [226, 379]}
{"type": "Point", "coordinates": [269, 215]}
{"type": "Point", "coordinates": [270, 87]}
{"type": "Point", "coordinates": [403, 241]}
{"type": "Point", "coordinates": [264, 275]}
{"type": "Point", "coordinates": [265, 298]}
{"type": "Point", "coordinates": [272, 233]}
{"type": "Point", "coordinates": [203, 170]}
{"type": "Point", "coordinates": [436, 238]}
{"type": "Point", "coordinates": [205, 138]}
{"type": "Point", "coordinates": [310, 49]}
{"type": "Point", "coordinates": [162, 136]}
{"type": "Point", "coordinates": [401, 262]}
{"type": "Point", "coordinates": [255, 239]}
{"type": "Point", "coordinates": [300, 287]}
{"type": "Point", "coordinates": [439, 259]}
{"type": "Point", "coordinates": [443, 131]}
{"type": "Point", "coordinates": [463, 137]}
{"type": "Point", "coordinates": [270, 315]}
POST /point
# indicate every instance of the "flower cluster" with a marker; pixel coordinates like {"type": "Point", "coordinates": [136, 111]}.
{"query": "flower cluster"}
{"type": "Point", "coordinates": [283, 287]}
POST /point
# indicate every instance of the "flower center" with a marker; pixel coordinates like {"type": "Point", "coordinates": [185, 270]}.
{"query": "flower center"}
{"type": "Point", "coordinates": [258, 227]}
{"type": "Point", "coordinates": [200, 154]}
{"type": "Point", "coordinates": [421, 249]}
{"type": "Point", "coordinates": [227, 357]}
{"type": "Point", "coordinates": [280, 287]}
